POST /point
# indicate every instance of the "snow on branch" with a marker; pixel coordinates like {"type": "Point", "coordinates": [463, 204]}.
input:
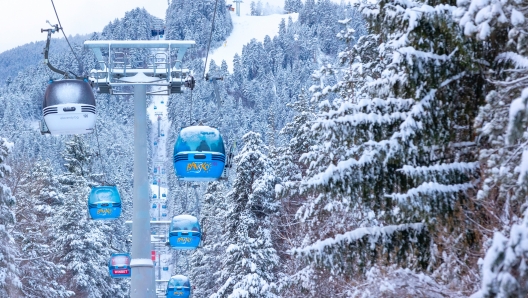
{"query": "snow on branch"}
{"type": "Point", "coordinates": [373, 233]}
{"type": "Point", "coordinates": [342, 169]}
{"type": "Point", "coordinates": [518, 61]}
{"type": "Point", "coordinates": [411, 51]}
{"type": "Point", "coordinates": [517, 115]}
{"type": "Point", "coordinates": [362, 118]}
{"type": "Point", "coordinates": [419, 110]}
{"type": "Point", "coordinates": [523, 168]}
{"type": "Point", "coordinates": [504, 266]}
{"type": "Point", "coordinates": [440, 168]}
{"type": "Point", "coordinates": [430, 188]}
{"type": "Point", "coordinates": [412, 12]}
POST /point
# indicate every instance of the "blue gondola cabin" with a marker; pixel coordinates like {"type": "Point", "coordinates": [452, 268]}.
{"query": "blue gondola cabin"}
{"type": "Point", "coordinates": [184, 232]}
{"type": "Point", "coordinates": [199, 154]}
{"type": "Point", "coordinates": [104, 203]}
{"type": "Point", "coordinates": [179, 286]}
{"type": "Point", "coordinates": [119, 265]}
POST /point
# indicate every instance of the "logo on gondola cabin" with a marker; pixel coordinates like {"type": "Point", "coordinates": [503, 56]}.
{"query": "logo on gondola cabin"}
{"type": "Point", "coordinates": [184, 240]}
{"type": "Point", "coordinates": [178, 293]}
{"type": "Point", "coordinates": [197, 167]}
{"type": "Point", "coordinates": [85, 115]}
{"type": "Point", "coordinates": [104, 211]}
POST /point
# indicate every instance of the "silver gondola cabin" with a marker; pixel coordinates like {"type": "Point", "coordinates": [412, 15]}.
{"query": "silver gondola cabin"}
{"type": "Point", "coordinates": [69, 107]}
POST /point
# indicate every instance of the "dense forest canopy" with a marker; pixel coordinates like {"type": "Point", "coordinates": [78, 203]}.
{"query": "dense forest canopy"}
{"type": "Point", "coordinates": [381, 150]}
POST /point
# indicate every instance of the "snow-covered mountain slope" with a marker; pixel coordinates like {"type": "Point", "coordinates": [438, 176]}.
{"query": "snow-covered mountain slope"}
{"type": "Point", "coordinates": [245, 28]}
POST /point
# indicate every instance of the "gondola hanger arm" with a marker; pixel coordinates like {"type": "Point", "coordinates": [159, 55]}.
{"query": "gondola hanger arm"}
{"type": "Point", "coordinates": [53, 29]}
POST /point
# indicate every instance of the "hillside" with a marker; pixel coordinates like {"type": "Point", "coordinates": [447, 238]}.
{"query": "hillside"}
{"type": "Point", "coordinates": [20, 58]}
{"type": "Point", "coordinates": [378, 150]}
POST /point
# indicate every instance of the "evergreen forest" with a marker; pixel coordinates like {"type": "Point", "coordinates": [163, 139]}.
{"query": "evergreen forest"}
{"type": "Point", "coordinates": [381, 151]}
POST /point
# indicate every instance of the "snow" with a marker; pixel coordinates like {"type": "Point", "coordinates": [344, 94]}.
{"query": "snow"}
{"type": "Point", "coordinates": [517, 18]}
{"type": "Point", "coordinates": [246, 28]}
{"type": "Point", "coordinates": [523, 168]}
{"type": "Point", "coordinates": [440, 168]}
{"type": "Point", "coordinates": [518, 60]}
{"type": "Point", "coordinates": [430, 188]}
{"type": "Point", "coordinates": [517, 106]}
{"type": "Point", "coordinates": [352, 236]}
{"type": "Point", "coordinates": [501, 261]}
{"type": "Point", "coordinates": [141, 263]}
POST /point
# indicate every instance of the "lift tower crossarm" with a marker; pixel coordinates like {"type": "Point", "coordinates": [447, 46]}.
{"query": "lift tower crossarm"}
{"type": "Point", "coordinates": [116, 68]}
{"type": "Point", "coordinates": [180, 45]}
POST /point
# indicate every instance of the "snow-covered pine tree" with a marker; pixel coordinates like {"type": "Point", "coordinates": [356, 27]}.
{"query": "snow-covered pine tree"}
{"type": "Point", "coordinates": [250, 260]}
{"type": "Point", "coordinates": [502, 131]}
{"type": "Point", "coordinates": [192, 21]}
{"type": "Point", "coordinates": [82, 245]}
{"type": "Point", "coordinates": [291, 6]}
{"type": "Point", "coordinates": [296, 137]}
{"type": "Point", "coordinates": [391, 173]}
{"type": "Point", "coordinates": [207, 259]}
{"type": "Point", "coordinates": [38, 200]}
{"type": "Point", "coordinates": [9, 281]}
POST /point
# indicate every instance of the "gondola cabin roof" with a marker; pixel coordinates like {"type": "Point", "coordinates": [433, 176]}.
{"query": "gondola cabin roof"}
{"type": "Point", "coordinates": [119, 265]}
{"type": "Point", "coordinates": [199, 139]}
{"type": "Point", "coordinates": [68, 92]}
{"type": "Point", "coordinates": [104, 194]}
{"type": "Point", "coordinates": [179, 281]}
{"type": "Point", "coordinates": [184, 222]}
{"type": "Point", "coordinates": [120, 259]}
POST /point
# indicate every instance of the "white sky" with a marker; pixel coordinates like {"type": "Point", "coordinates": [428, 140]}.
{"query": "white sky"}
{"type": "Point", "coordinates": [21, 20]}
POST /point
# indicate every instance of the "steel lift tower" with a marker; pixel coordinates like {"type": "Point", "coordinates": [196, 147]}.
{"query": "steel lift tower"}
{"type": "Point", "coordinates": [238, 6]}
{"type": "Point", "coordinates": [122, 71]}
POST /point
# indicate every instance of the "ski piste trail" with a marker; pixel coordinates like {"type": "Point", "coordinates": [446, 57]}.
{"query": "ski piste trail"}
{"type": "Point", "coordinates": [247, 27]}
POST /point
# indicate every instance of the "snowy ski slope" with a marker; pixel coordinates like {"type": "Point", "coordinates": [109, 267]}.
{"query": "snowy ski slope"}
{"type": "Point", "coordinates": [247, 27]}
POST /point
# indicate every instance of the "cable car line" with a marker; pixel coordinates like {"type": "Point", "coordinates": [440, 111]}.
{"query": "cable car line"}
{"type": "Point", "coordinates": [190, 84]}
{"type": "Point", "coordinates": [60, 27]}
{"type": "Point", "coordinates": [210, 37]}
{"type": "Point", "coordinates": [100, 156]}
